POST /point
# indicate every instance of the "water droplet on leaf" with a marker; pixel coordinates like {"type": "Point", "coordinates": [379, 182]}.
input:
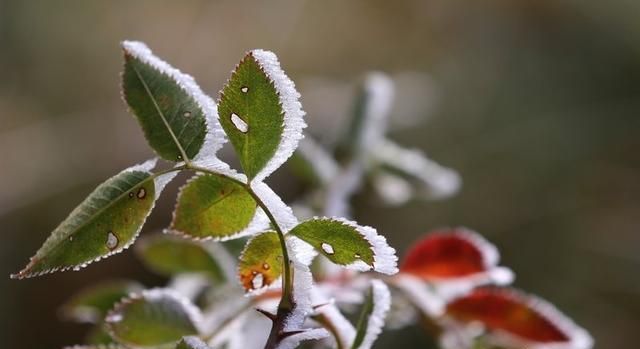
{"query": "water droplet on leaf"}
{"type": "Point", "coordinates": [257, 281]}
{"type": "Point", "coordinates": [328, 249]}
{"type": "Point", "coordinates": [112, 240]}
{"type": "Point", "coordinates": [240, 124]}
{"type": "Point", "coordinates": [131, 194]}
{"type": "Point", "coordinates": [141, 193]}
{"type": "Point", "coordinates": [187, 114]}
{"type": "Point", "coordinates": [266, 266]}
{"type": "Point", "coordinates": [244, 89]}
{"type": "Point", "coordinates": [357, 255]}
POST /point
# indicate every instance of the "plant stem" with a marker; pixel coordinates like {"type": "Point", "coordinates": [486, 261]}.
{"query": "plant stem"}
{"type": "Point", "coordinates": [287, 302]}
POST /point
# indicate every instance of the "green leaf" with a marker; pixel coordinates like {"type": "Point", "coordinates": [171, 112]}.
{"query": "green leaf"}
{"type": "Point", "coordinates": [152, 318]}
{"type": "Point", "coordinates": [105, 223]}
{"type": "Point", "coordinates": [261, 261]}
{"type": "Point", "coordinates": [170, 255]}
{"type": "Point", "coordinates": [92, 304]}
{"type": "Point", "coordinates": [169, 105]}
{"type": "Point", "coordinates": [373, 315]}
{"type": "Point", "coordinates": [192, 343]}
{"type": "Point", "coordinates": [363, 319]}
{"type": "Point", "coordinates": [215, 207]}
{"type": "Point", "coordinates": [349, 244]}
{"type": "Point", "coordinates": [259, 111]}
{"type": "Point", "coordinates": [98, 335]}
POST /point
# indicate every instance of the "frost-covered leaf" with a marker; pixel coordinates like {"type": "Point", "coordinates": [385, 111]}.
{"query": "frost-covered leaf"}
{"type": "Point", "coordinates": [169, 255]}
{"type": "Point", "coordinates": [455, 254]}
{"type": "Point", "coordinates": [370, 114]}
{"type": "Point", "coordinates": [313, 163]}
{"type": "Point", "coordinates": [425, 178]}
{"type": "Point", "coordinates": [170, 107]}
{"type": "Point", "coordinates": [373, 314]}
{"type": "Point", "coordinates": [330, 317]}
{"type": "Point", "coordinates": [349, 244]}
{"type": "Point", "coordinates": [516, 320]}
{"type": "Point", "coordinates": [260, 112]}
{"type": "Point", "coordinates": [152, 318]}
{"type": "Point", "coordinates": [218, 208]}
{"type": "Point", "coordinates": [261, 261]}
{"type": "Point", "coordinates": [105, 223]}
{"type": "Point", "coordinates": [93, 303]}
{"type": "Point", "coordinates": [192, 342]}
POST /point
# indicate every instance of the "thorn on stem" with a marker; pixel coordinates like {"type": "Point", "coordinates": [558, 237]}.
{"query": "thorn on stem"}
{"type": "Point", "coordinates": [271, 316]}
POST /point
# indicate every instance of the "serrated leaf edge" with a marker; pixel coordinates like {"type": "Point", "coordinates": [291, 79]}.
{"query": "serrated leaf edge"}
{"type": "Point", "coordinates": [293, 120]}
{"type": "Point", "coordinates": [159, 182]}
{"type": "Point", "coordinates": [258, 223]}
{"type": "Point", "coordinates": [193, 313]}
{"type": "Point", "coordinates": [215, 136]}
{"type": "Point", "coordinates": [275, 285]}
{"type": "Point", "coordinates": [381, 305]}
{"type": "Point", "coordinates": [385, 260]}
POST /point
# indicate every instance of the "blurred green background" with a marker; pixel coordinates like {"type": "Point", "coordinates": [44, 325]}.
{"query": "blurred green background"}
{"type": "Point", "coordinates": [536, 103]}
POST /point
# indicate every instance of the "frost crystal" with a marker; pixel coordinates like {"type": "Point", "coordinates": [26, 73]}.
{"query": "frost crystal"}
{"type": "Point", "coordinates": [385, 260]}
{"type": "Point", "coordinates": [437, 181]}
{"type": "Point", "coordinates": [153, 295]}
{"type": "Point", "coordinates": [59, 235]}
{"type": "Point", "coordinates": [293, 113]}
{"type": "Point", "coordinates": [215, 137]}
{"type": "Point", "coordinates": [345, 330]}
{"type": "Point", "coordinates": [282, 213]}
{"type": "Point", "coordinates": [379, 94]}
{"type": "Point", "coordinates": [381, 305]}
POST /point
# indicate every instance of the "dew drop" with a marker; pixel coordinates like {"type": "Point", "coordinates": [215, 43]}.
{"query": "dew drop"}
{"type": "Point", "coordinates": [179, 157]}
{"type": "Point", "coordinates": [257, 281]}
{"type": "Point", "coordinates": [240, 124]}
{"type": "Point", "coordinates": [142, 193]}
{"type": "Point", "coordinates": [70, 238]}
{"type": "Point", "coordinates": [328, 249]}
{"type": "Point", "coordinates": [131, 194]}
{"type": "Point", "coordinates": [266, 266]}
{"type": "Point", "coordinates": [244, 89]}
{"type": "Point", "coordinates": [253, 272]}
{"type": "Point", "coordinates": [112, 240]}
{"type": "Point", "coordinates": [357, 255]}
{"type": "Point", "coordinates": [186, 114]}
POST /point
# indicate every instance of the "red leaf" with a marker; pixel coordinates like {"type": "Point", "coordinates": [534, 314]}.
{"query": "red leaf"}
{"type": "Point", "coordinates": [450, 253]}
{"type": "Point", "coordinates": [525, 318]}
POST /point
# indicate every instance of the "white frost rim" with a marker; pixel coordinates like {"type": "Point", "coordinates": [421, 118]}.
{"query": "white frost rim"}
{"type": "Point", "coordinates": [215, 136]}
{"type": "Point", "coordinates": [159, 183]}
{"type": "Point", "coordinates": [293, 113]}
{"type": "Point", "coordinates": [381, 305]}
{"type": "Point", "coordinates": [258, 223]}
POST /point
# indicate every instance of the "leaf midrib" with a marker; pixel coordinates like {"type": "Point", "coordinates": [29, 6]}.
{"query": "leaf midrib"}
{"type": "Point", "coordinates": [99, 212]}
{"type": "Point", "coordinates": [161, 114]}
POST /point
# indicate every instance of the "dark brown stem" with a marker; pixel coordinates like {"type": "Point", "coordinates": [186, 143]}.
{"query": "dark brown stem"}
{"type": "Point", "coordinates": [285, 308]}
